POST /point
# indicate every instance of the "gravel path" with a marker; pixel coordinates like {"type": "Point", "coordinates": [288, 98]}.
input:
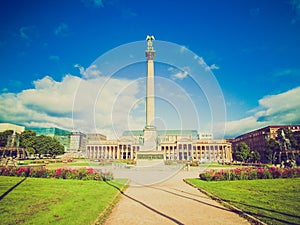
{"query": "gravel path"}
{"type": "Point", "coordinates": [170, 202]}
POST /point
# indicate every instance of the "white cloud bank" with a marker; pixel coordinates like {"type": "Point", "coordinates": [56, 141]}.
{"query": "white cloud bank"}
{"type": "Point", "coordinates": [49, 103]}
{"type": "Point", "coordinates": [73, 103]}
{"type": "Point", "coordinates": [108, 105]}
{"type": "Point", "coordinates": [278, 109]}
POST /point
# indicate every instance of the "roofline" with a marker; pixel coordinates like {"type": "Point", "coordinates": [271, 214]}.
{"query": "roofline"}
{"type": "Point", "coordinates": [270, 126]}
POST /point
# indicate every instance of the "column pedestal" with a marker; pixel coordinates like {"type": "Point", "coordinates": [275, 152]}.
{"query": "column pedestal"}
{"type": "Point", "coordinates": [150, 139]}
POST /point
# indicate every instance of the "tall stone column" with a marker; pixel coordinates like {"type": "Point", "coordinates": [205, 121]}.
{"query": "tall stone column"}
{"type": "Point", "coordinates": [150, 134]}
{"type": "Point", "coordinates": [150, 53]}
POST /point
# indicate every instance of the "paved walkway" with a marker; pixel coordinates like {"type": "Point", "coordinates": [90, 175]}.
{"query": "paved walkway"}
{"type": "Point", "coordinates": [170, 202]}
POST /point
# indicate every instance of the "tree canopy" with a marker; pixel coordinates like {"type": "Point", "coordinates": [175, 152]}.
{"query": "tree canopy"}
{"type": "Point", "coordinates": [4, 137]}
{"type": "Point", "coordinates": [42, 145]}
{"type": "Point", "coordinates": [242, 152]}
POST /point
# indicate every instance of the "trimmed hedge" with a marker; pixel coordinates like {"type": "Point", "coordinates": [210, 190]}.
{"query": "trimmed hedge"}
{"type": "Point", "coordinates": [60, 173]}
{"type": "Point", "coordinates": [250, 173]}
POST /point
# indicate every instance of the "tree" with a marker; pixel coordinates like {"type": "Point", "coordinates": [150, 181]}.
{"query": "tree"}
{"type": "Point", "coordinates": [27, 138]}
{"type": "Point", "coordinates": [42, 145]}
{"type": "Point", "coordinates": [272, 151]}
{"type": "Point", "coordinates": [4, 137]}
{"type": "Point", "coordinates": [297, 139]}
{"type": "Point", "coordinates": [242, 152]}
{"type": "Point", "coordinates": [254, 156]}
{"type": "Point", "coordinates": [45, 145]}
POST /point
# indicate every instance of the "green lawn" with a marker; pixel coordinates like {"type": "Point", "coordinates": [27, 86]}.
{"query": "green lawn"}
{"type": "Point", "coordinates": [55, 201]}
{"type": "Point", "coordinates": [274, 201]}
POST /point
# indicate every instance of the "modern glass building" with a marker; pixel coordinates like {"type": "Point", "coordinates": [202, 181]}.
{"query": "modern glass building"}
{"type": "Point", "coordinates": [63, 136]}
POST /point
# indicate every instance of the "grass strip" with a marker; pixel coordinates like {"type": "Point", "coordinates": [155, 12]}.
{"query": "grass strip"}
{"type": "Point", "coordinates": [54, 201]}
{"type": "Point", "coordinates": [274, 201]}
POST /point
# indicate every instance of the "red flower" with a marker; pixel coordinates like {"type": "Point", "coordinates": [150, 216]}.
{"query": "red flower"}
{"type": "Point", "coordinates": [58, 172]}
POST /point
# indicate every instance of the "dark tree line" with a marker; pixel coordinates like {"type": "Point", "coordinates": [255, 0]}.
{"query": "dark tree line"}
{"type": "Point", "coordinates": [38, 145]}
{"type": "Point", "coordinates": [243, 153]}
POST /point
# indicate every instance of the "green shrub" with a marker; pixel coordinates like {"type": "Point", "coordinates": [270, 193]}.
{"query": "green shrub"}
{"type": "Point", "coordinates": [60, 173]}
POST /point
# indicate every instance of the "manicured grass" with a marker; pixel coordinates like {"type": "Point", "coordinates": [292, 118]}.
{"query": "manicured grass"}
{"type": "Point", "coordinates": [55, 201]}
{"type": "Point", "coordinates": [83, 163]}
{"type": "Point", "coordinates": [274, 201]}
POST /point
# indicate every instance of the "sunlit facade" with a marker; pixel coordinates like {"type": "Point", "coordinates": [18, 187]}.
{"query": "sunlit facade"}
{"type": "Point", "coordinates": [178, 145]}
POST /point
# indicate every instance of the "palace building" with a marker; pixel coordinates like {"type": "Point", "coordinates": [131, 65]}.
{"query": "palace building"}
{"type": "Point", "coordinates": [183, 145]}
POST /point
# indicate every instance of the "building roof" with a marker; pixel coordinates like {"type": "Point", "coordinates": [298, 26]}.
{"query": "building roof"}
{"type": "Point", "coordinates": [270, 127]}
{"type": "Point", "coordinates": [161, 132]}
{"type": "Point", "coordinates": [49, 131]}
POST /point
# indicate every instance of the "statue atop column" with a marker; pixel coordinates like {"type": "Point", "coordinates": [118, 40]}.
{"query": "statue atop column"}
{"type": "Point", "coordinates": [150, 52]}
{"type": "Point", "coordinates": [149, 39]}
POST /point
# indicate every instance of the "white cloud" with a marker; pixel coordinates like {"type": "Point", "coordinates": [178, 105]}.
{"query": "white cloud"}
{"type": "Point", "coordinates": [278, 109]}
{"type": "Point", "coordinates": [212, 67]}
{"type": "Point", "coordinates": [61, 30]}
{"type": "Point", "coordinates": [102, 104]}
{"type": "Point", "coordinates": [200, 60]}
{"type": "Point", "coordinates": [90, 72]}
{"type": "Point", "coordinates": [180, 75]}
{"type": "Point", "coordinates": [105, 104]}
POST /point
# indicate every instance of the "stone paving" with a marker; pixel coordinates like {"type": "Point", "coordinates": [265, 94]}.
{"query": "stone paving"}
{"type": "Point", "coordinates": [150, 199]}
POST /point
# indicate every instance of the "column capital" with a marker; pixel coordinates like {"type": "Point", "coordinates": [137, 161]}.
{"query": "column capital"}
{"type": "Point", "coordinates": [150, 54]}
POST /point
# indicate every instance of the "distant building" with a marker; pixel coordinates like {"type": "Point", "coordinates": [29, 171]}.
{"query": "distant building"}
{"type": "Point", "coordinates": [77, 142]}
{"type": "Point", "coordinates": [63, 136]}
{"type": "Point", "coordinates": [10, 126]}
{"type": "Point", "coordinates": [206, 136]}
{"type": "Point", "coordinates": [257, 139]}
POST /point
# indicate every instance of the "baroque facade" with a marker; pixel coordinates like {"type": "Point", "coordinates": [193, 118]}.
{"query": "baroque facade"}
{"type": "Point", "coordinates": [182, 145]}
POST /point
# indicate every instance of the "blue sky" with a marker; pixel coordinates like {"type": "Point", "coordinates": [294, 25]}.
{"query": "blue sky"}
{"type": "Point", "coordinates": [251, 47]}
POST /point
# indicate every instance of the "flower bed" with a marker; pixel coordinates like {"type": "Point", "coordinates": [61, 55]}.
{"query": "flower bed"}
{"type": "Point", "coordinates": [249, 173]}
{"type": "Point", "coordinates": [60, 173]}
